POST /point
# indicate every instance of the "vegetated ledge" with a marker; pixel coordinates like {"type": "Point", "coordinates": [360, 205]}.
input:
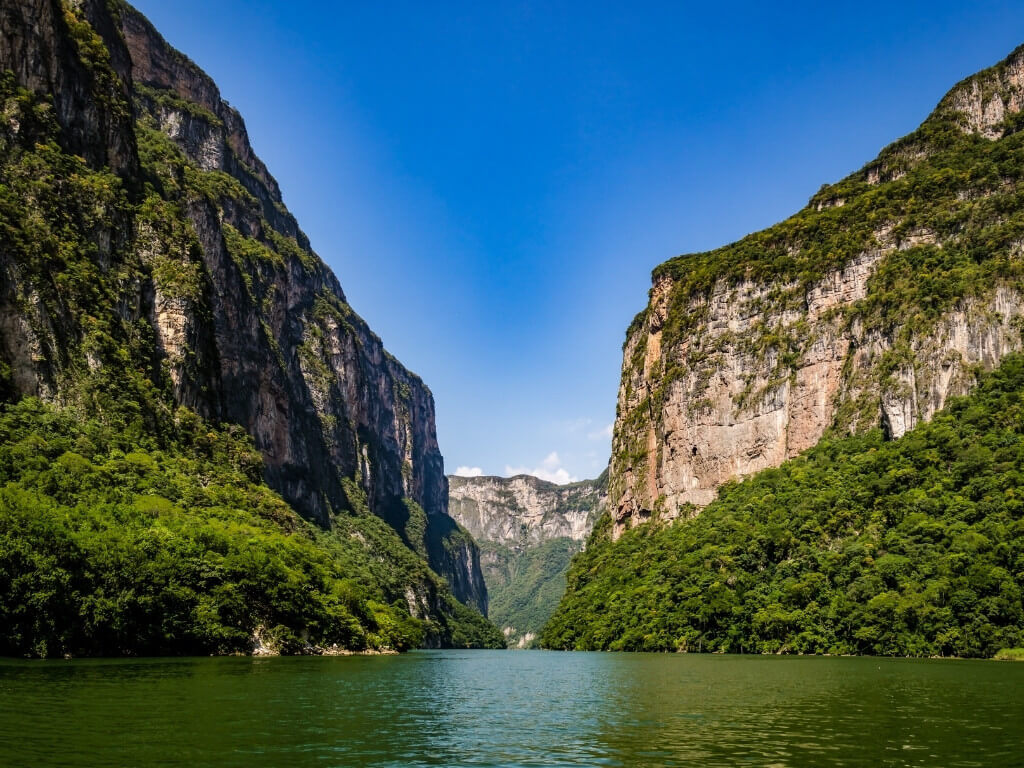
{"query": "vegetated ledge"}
{"type": "Point", "coordinates": [1010, 654]}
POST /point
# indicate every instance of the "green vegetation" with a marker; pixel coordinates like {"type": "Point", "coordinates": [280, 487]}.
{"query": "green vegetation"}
{"type": "Point", "coordinates": [1010, 654]}
{"type": "Point", "coordinates": [524, 584]}
{"type": "Point", "coordinates": [58, 219]}
{"type": "Point", "coordinates": [114, 543]}
{"type": "Point", "coordinates": [171, 101]}
{"type": "Point", "coordinates": [524, 571]}
{"type": "Point", "coordinates": [93, 54]}
{"type": "Point", "coordinates": [859, 546]}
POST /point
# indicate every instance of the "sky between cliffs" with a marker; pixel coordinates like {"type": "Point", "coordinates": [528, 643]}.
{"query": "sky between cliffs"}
{"type": "Point", "coordinates": [493, 182]}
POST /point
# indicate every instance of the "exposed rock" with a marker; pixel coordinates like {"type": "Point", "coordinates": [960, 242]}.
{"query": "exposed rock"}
{"type": "Point", "coordinates": [265, 643]}
{"type": "Point", "coordinates": [985, 102]}
{"type": "Point", "coordinates": [39, 48]}
{"type": "Point", "coordinates": [524, 510]}
{"type": "Point", "coordinates": [738, 413]}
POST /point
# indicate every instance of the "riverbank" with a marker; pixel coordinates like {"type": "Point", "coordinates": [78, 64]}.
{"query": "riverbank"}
{"type": "Point", "coordinates": [268, 643]}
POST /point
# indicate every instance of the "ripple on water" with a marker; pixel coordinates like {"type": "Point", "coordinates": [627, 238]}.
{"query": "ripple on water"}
{"type": "Point", "coordinates": [503, 708]}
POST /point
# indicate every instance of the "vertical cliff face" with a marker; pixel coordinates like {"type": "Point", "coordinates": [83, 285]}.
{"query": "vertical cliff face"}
{"type": "Point", "coordinates": [43, 49]}
{"type": "Point", "coordinates": [528, 530]}
{"type": "Point", "coordinates": [203, 275]}
{"type": "Point", "coordinates": [869, 308]}
{"type": "Point", "coordinates": [291, 361]}
{"type": "Point", "coordinates": [525, 510]}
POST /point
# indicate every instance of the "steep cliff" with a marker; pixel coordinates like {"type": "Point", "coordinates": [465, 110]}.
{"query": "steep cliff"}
{"type": "Point", "coordinates": [871, 307]}
{"type": "Point", "coordinates": [792, 404]}
{"type": "Point", "coordinates": [148, 260]}
{"type": "Point", "coordinates": [528, 530]}
{"type": "Point", "coordinates": [525, 510]}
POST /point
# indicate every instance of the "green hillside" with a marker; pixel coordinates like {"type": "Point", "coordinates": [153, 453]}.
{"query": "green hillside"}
{"type": "Point", "coordinates": [525, 584]}
{"type": "Point", "coordinates": [113, 542]}
{"type": "Point", "coordinates": [913, 547]}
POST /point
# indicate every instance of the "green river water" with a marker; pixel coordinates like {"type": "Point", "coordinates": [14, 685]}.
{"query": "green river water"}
{"type": "Point", "coordinates": [512, 708]}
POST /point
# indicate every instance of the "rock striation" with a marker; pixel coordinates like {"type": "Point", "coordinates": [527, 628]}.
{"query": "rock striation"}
{"type": "Point", "coordinates": [248, 325]}
{"type": "Point", "coordinates": [870, 308]}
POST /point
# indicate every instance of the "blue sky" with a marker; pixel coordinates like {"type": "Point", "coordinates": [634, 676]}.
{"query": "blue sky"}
{"type": "Point", "coordinates": [493, 182]}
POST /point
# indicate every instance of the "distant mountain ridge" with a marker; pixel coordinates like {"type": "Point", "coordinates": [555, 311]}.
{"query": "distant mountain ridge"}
{"type": "Point", "coordinates": [524, 509]}
{"type": "Point", "coordinates": [528, 529]}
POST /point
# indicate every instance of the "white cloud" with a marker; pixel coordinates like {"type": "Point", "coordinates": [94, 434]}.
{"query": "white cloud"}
{"type": "Point", "coordinates": [551, 469]}
{"type": "Point", "coordinates": [604, 433]}
{"type": "Point", "coordinates": [469, 472]}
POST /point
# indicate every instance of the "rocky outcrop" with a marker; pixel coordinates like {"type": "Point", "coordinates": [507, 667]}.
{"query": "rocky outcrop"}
{"type": "Point", "coordinates": [982, 104]}
{"type": "Point", "coordinates": [249, 326]}
{"type": "Point", "coordinates": [875, 313]}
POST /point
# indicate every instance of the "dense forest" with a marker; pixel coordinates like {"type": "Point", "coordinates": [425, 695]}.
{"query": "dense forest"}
{"type": "Point", "coordinates": [912, 547]}
{"type": "Point", "coordinates": [525, 585]}
{"type": "Point", "coordinates": [115, 543]}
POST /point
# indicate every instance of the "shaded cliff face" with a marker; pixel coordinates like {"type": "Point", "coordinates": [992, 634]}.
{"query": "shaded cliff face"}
{"type": "Point", "coordinates": [199, 285]}
{"type": "Point", "coordinates": [294, 364]}
{"type": "Point", "coordinates": [871, 307]}
{"type": "Point", "coordinates": [528, 530]}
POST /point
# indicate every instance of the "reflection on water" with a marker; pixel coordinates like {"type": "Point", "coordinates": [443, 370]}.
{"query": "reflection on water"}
{"type": "Point", "coordinates": [512, 708]}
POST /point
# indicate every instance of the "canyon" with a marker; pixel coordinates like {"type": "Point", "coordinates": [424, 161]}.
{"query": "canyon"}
{"type": "Point", "coordinates": [205, 449]}
{"type": "Point", "coordinates": [527, 529]}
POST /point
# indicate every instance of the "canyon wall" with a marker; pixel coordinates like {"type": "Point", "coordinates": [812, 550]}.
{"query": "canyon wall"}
{"type": "Point", "coordinates": [527, 530]}
{"type": "Point", "coordinates": [870, 308]}
{"type": "Point", "coordinates": [524, 510]}
{"type": "Point", "coordinates": [199, 264]}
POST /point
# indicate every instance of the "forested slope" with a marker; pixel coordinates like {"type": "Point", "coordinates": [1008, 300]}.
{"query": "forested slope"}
{"type": "Point", "coordinates": [861, 545]}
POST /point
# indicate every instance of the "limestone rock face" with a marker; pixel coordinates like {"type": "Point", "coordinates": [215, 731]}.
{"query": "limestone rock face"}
{"type": "Point", "coordinates": [736, 415]}
{"type": "Point", "coordinates": [527, 530]}
{"type": "Point", "coordinates": [524, 510]}
{"type": "Point", "coordinates": [984, 103]}
{"type": "Point", "coordinates": [251, 328]}
{"type": "Point", "coordinates": [726, 375]}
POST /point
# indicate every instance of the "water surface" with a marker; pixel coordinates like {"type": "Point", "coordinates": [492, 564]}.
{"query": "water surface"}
{"type": "Point", "coordinates": [512, 708]}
